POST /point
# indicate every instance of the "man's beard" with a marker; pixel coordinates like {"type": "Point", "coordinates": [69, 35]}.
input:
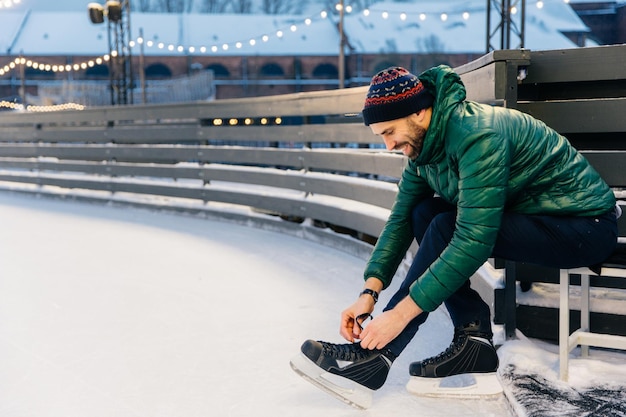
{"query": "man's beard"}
{"type": "Point", "coordinates": [416, 139]}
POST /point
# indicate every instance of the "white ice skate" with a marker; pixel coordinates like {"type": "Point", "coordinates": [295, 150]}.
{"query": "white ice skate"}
{"type": "Point", "coordinates": [466, 369]}
{"type": "Point", "coordinates": [346, 371]}
{"type": "Point", "coordinates": [465, 386]}
{"type": "Point", "coordinates": [341, 388]}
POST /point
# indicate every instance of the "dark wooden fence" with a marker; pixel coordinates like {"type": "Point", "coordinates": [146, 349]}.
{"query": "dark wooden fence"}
{"type": "Point", "coordinates": [299, 156]}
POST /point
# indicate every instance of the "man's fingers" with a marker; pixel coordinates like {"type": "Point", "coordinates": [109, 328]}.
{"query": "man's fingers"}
{"type": "Point", "coordinates": [347, 329]}
{"type": "Point", "coordinates": [361, 319]}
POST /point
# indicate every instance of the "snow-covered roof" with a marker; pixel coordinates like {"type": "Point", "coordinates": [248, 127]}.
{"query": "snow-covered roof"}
{"type": "Point", "coordinates": [597, 1]}
{"type": "Point", "coordinates": [462, 31]}
{"type": "Point", "coordinates": [320, 37]}
{"type": "Point", "coordinates": [388, 27]}
{"type": "Point", "coordinates": [72, 33]}
{"type": "Point", "coordinates": [10, 22]}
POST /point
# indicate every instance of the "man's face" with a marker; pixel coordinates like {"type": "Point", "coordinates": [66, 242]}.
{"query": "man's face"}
{"type": "Point", "coordinates": [403, 135]}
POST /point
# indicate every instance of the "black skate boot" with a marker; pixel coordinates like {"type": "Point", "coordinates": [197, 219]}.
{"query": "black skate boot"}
{"type": "Point", "coordinates": [368, 367]}
{"type": "Point", "coordinates": [471, 357]}
{"type": "Point", "coordinates": [319, 361]}
{"type": "Point", "coordinates": [471, 351]}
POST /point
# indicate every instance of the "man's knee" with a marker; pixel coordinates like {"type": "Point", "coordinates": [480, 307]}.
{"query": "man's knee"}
{"type": "Point", "coordinates": [442, 226]}
{"type": "Point", "coordinates": [426, 212]}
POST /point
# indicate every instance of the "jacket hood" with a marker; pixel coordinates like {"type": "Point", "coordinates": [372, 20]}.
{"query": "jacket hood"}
{"type": "Point", "coordinates": [448, 89]}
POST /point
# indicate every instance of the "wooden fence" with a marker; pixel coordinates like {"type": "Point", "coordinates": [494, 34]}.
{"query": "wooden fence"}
{"type": "Point", "coordinates": [300, 156]}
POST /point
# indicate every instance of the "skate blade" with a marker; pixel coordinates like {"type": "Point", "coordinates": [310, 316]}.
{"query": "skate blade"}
{"type": "Point", "coordinates": [464, 386]}
{"type": "Point", "coordinates": [356, 395]}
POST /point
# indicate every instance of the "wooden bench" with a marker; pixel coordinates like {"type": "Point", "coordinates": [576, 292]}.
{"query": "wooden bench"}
{"type": "Point", "coordinates": [611, 165]}
{"type": "Point", "coordinates": [610, 273]}
{"type": "Point", "coordinates": [581, 93]}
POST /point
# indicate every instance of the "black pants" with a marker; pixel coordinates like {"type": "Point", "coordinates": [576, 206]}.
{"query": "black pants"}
{"type": "Point", "coordinates": [559, 242]}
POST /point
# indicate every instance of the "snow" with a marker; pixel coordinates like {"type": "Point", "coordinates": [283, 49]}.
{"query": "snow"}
{"type": "Point", "coordinates": [115, 311]}
{"type": "Point", "coordinates": [456, 34]}
{"type": "Point", "coordinates": [603, 300]}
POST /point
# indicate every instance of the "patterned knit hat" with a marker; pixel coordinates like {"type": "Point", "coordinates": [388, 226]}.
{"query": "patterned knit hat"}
{"type": "Point", "coordinates": [394, 93]}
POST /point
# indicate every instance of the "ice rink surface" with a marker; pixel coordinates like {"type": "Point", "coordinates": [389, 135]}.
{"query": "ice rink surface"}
{"type": "Point", "coordinates": [109, 311]}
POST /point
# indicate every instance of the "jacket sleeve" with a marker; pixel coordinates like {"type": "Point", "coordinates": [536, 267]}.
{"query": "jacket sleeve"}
{"type": "Point", "coordinates": [483, 160]}
{"type": "Point", "coordinates": [397, 235]}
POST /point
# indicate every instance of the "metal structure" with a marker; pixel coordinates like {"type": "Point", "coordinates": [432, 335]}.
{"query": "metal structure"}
{"type": "Point", "coordinates": [120, 57]}
{"type": "Point", "coordinates": [510, 25]}
{"type": "Point", "coordinates": [342, 44]}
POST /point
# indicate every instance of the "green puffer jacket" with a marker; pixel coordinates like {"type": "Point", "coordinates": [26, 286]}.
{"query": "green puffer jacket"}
{"type": "Point", "coordinates": [484, 160]}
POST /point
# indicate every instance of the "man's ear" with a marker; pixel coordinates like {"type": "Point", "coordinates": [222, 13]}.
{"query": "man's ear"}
{"type": "Point", "coordinates": [423, 117]}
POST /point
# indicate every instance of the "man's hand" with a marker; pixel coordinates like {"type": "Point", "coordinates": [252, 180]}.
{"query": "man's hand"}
{"type": "Point", "coordinates": [349, 329]}
{"type": "Point", "coordinates": [364, 305]}
{"type": "Point", "coordinates": [387, 326]}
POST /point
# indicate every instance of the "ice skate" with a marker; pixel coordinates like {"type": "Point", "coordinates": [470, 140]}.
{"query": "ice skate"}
{"type": "Point", "coordinates": [466, 369]}
{"type": "Point", "coordinates": [346, 371]}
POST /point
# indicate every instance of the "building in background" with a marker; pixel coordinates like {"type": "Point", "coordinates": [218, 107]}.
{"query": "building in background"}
{"type": "Point", "coordinates": [51, 57]}
{"type": "Point", "coordinates": [606, 20]}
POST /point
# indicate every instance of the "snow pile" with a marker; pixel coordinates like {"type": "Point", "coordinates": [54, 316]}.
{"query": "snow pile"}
{"type": "Point", "coordinates": [529, 374]}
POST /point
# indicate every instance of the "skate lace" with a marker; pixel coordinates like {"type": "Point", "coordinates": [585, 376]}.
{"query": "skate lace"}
{"type": "Point", "coordinates": [347, 352]}
{"type": "Point", "coordinates": [457, 344]}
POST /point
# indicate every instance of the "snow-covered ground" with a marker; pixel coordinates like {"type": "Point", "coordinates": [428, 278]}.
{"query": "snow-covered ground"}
{"type": "Point", "coordinates": [111, 311]}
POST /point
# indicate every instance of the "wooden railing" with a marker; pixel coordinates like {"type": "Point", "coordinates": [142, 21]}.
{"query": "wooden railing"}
{"type": "Point", "coordinates": [301, 156]}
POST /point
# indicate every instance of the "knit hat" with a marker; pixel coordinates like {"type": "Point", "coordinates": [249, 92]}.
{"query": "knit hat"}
{"type": "Point", "coordinates": [394, 93]}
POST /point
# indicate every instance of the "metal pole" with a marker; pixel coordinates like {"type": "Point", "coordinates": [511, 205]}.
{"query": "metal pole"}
{"type": "Point", "coordinates": [112, 69]}
{"type": "Point", "coordinates": [488, 37]}
{"type": "Point", "coordinates": [131, 81]}
{"type": "Point", "coordinates": [502, 23]}
{"type": "Point", "coordinates": [23, 81]}
{"type": "Point", "coordinates": [142, 73]}
{"type": "Point", "coordinates": [523, 25]}
{"type": "Point", "coordinates": [341, 66]}
{"type": "Point", "coordinates": [508, 24]}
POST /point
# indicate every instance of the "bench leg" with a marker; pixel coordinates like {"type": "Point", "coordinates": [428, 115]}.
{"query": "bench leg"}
{"type": "Point", "coordinates": [510, 299]}
{"type": "Point", "coordinates": [563, 324]}
{"type": "Point", "coordinates": [584, 310]}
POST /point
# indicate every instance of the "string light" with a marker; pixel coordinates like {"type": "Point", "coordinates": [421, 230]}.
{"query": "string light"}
{"type": "Point", "coordinates": [280, 34]}
{"type": "Point", "coordinates": [57, 107]}
{"type": "Point", "coordinates": [11, 105]}
{"type": "Point", "coordinates": [5, 4]}
{"type": "Point", "coordinates": [54, 67]}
